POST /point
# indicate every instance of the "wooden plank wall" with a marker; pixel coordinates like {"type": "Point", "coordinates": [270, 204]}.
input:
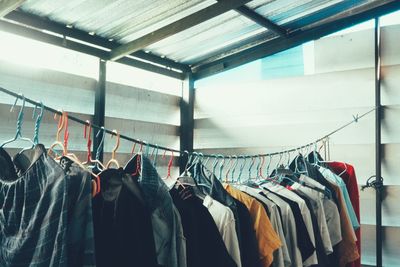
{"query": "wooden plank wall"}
{"type": "Point", "coordinates": [273, 115]}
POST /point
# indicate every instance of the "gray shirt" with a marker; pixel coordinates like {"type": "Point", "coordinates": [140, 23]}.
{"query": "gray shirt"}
{"type": "Point", "coordinates": [281, 255]}
{"type": "Point", "coordinates": [331, 212]}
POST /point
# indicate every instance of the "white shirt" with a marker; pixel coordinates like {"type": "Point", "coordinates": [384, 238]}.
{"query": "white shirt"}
{"type": "Point", "coordinates": [225, 221]}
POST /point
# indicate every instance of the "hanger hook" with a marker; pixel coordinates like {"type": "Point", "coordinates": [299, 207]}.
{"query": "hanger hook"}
{"type": "Point", "coordinates": [114, 151]}
{"type": "Point", "coordinates": [38, 123]}
{"type": "Point", "coordinates": [100, 147]}
{"type": "Point", "coordinates": [242, 167]}
{"type": "Point", "coordinates": [154, 153]}
{"type": "Point", "coordinates": [221, 166]}
{"type": "Point", "coordinates": [20, 118]}
{"type": "Point", "coordinates": [88, 135]}
{"type": "Point", "coordinates": [234, 165]}
{"type": "Point", "coordinates": [251, 165]}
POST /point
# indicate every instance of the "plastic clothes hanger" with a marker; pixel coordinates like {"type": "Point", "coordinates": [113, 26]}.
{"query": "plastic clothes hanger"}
{"type": "Point", "coordinates": [236, 162]}
{"type": "Point", "coordinates": [20, 119]}
{"type": "Point", "coordinates": [114, 151]}
{"type": "Point", "coordinates": [221, 166]}
{"type": "Point", "coordinates": [98, 163]}
{"type": "Point", "coordinates": [71, 156]}
{"type": "Point", "coordinates": [154, 154]}
{"type": "Point", "coordinates": [58, 142]}
{"type": "Point", "coordinates": [187, 180]}
{"type": "Point", "coordinates": [89, 161]}
{"type": "Point", "coordinates": [229, 169]}
{"type": "Point", "coordinates": [241, 168]}
{"type": "Point", "coordinates": [171, 160]}
{"type": "Point", "coordinates": [38, 121]}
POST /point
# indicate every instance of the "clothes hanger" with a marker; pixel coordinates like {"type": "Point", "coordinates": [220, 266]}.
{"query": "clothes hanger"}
{"type": "Point", "coordinates": [186, 179]}
{"type": "Point", "coordinates": [38, 121]}
{"type": "Point", "coordinates": [221, 166]}
{"type": "Point", "coordinates": [114, 151]}
{"type": "Point", "coordinates": [20, 119]}
{"type": "Point", "coordinates": [239, 180]}
{"type": "Point", "coordinates": [234, 167]}
{"type": "Point", "coordinates": [171, 159]}
{"type": "Point", "coordinates": [58, 142]}
{"type": "Point", "coordinates": [98, 163]}
{"type": "Point", "coordinates": [67, 154]}
{"type": "Point", "coordinates": [229, 169]}
{"type": "Point", "coordinates": [249, 182]}
{"type": "Point", "coordinates": [90, 163]}
{"type": "Point", "coordinates": [154, 154]}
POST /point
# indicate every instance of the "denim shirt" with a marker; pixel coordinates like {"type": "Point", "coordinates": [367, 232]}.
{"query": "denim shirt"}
{"type": "Point", "coordinates": [167, 228]}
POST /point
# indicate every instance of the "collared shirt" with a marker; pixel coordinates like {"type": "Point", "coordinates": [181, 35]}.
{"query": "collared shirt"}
{"type": "Point", "coordinates": [225, 221]}
{"type": "Point", "coordinates": [331, 212]}
{"type": "Point", "coordinates": [289, 228]}
{"type": "Point", "coordinates": [328, 174]}
{"type": "Point", "coordinates": [45, 216]}
{"type": "Point", "coordinates": [318, 209]}
{"type": "Point", "coordinates": [166, 227]}
{"type": "Point", "coordinates": [305, 212]}
{"type": "Point", "coordinates": [348, 251]}
{"type": "Point", "coordinates": [122, 238]}
{"type": "Point", "coordinates": [268, 239]}
{"type": "Point", "coordinates": [348, 174]}
{"type": "Point", "coordinates": [205, 246]}
{"type": "Point", "coordinates": [281, 255]}
{"type": "Point", "coordinates": [210, 185]}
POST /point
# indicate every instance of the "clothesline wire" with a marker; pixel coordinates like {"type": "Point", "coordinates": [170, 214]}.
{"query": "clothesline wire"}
{"type": "Point", "coordinates": [128, 138]}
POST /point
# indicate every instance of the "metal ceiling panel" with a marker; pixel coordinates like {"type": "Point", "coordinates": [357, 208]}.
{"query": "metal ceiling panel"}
{"type": "Point", "coordinates": [125, 20]}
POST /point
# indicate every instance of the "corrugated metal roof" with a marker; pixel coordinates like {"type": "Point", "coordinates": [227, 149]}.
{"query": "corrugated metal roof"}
{"type": "Point", "coordinates": [126, 20]}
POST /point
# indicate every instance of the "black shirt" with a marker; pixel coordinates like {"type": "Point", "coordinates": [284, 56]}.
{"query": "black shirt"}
{"type": "Point", "coordinates": [249, 252]}
{"type": "Point", "coordinates": [204, 244]}
{"type": "Point", "coordinates": [122, 224]}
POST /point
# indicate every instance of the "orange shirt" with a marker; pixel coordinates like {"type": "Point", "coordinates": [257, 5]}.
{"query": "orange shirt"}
{"type": "Point", "coordinates": [268, 240]}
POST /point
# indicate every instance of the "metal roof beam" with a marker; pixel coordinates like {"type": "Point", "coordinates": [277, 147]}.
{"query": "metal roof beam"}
{"type": "Point", "coordinates": [260, 20]}
{"type": "Point", "coordinates": [296, 38]}
{"type": "Point", "coordinates": [178, 26]}
{"type": "Point", "coordinates": [83, 48]}
{"type": "Point", "coordinates": [46, 24]}
{"type": "Point", "coordinates": [6, 6]}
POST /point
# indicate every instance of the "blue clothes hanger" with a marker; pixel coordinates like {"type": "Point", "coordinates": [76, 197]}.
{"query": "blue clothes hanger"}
{"type": "Point", "coordinates": [20, 119]}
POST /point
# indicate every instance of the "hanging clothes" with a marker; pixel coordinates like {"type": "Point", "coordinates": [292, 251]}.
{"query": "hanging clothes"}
{"type": "Point", "coordinates": [281, 255]}
{"type": "Point", "coordinates": [204, 243]}
{"type": "Point", "coordinates": [165, 219]}
{"type": "Point", "coordinates": [289, 229]}
{"type": "Point", "coordinates": [45, 212]}
{"type": "Point", "coordinates": [210, 185]}
{"type": "Point", "coordinates": [225, 222]}
{"type": "Point", "coordinates": [305, 214]}
{"type": "Point", "coordinates": [123, 229]}
{"type": "Point", "coordinates": [268, 239]}
{"type": "Point", "coordinates": [348, 174]}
